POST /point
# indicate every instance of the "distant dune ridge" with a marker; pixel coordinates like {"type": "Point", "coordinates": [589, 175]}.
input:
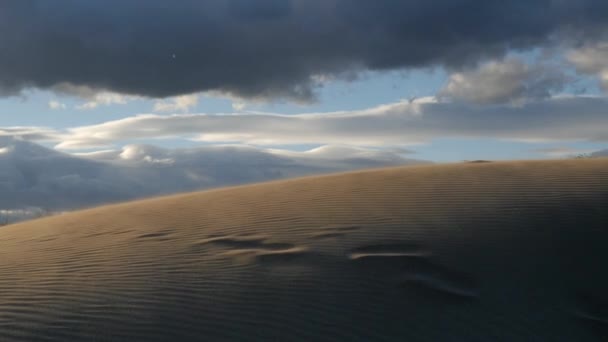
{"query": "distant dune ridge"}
{"type": "Point", "coordinates": [501, 251]}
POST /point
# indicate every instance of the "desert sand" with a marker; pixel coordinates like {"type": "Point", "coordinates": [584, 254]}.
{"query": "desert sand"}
{"type": "Point", "coordinates": [499, 251]}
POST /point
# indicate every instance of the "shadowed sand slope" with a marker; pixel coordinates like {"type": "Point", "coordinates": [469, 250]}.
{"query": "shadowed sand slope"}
{"type": "Point", "coordinates": [502, 251]}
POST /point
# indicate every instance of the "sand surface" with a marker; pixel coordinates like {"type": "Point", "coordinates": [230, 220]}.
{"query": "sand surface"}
{"type": "Point", "coordinates": [500, 251]}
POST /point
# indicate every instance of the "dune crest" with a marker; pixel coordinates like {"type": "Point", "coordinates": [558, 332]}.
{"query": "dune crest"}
{"type": "Point", "coordinates": [512, 251]}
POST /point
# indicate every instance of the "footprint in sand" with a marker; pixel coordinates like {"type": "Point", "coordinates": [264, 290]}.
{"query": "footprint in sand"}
{"type": "Point", "coordinates": [160, 235]}
{"type": "Point", "coordinates": [409, 264]}
{"type": "Point", "coordinates": [244, 242]}
{"type": "Point", "coordinates": [329, 232]}
{"type": "Point", "coordinates": [256, 249]}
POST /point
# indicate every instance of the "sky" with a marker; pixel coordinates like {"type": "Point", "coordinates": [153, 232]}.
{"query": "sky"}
{"type": "Point", "coordinates": [445, 80]}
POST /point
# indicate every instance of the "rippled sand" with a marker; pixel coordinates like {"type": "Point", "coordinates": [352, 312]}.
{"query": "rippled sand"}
{"type": "Point", "coordinates": [501, 251]}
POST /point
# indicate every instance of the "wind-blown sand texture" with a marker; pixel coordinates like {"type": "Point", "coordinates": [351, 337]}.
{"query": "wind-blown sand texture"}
{"type": "Point", "coordinates": [501, 251]}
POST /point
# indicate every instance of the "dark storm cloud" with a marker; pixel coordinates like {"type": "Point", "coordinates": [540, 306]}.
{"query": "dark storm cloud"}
{"type": "Point", "coordinates": [264, 48]}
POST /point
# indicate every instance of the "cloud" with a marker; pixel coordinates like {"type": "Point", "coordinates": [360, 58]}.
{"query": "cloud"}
{"type": "Point", "coordinates": [104, 99]}
{"type": "Point", "coordinates": [238, 105]}
{"type": "Point", "coordinates": [265, 48]}
{"type": "Point", "coordinates": [593, 60]}
{"type": "Point", "coordinates": [93, 97]}
{"type": "Point", "coordinates": [506, 81]}
{"type": "Point", "coordinates": [400, 123]}
{"type": "Point", "coordinates": [181, 103]}
{"type": "Point", "coordinates": [15, 215]}
{"type": "Point", "coordinates": [54, 104]}
{"type": "Point", "coordinates": [30, 133]}
{"type": "Point", "coordinates": [35, 176]}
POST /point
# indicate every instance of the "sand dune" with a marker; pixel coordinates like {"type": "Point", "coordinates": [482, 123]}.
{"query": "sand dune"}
{"type": "Point", "coordinates": [501, 251]}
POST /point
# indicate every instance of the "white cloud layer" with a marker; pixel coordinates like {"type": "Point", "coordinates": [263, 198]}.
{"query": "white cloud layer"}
{"type": "Point", "coordinates": [177, 104]}
{"type": "Point", "coordinates": [8, 216]}
{"type": "Point", "coordinates": [93, 97]}
{"type": "Point", "coordinates": [592, 60]}
{"type": "Point", "coordinates": [30, 133]}
{"type": "Point", "coordinates": [54, 104]}
{"type": "Point", "coordinates": [105, 99]}
{"type": "Point", "coordinates": [35, 176]}
{"type": "Point", "coordinates": [400, 123]}
{"type": "Point", "coordinates": [506, 81]}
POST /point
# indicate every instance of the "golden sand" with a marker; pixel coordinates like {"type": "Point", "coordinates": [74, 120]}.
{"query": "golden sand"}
{"type": "Point", "coordinates": [511, 251]}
